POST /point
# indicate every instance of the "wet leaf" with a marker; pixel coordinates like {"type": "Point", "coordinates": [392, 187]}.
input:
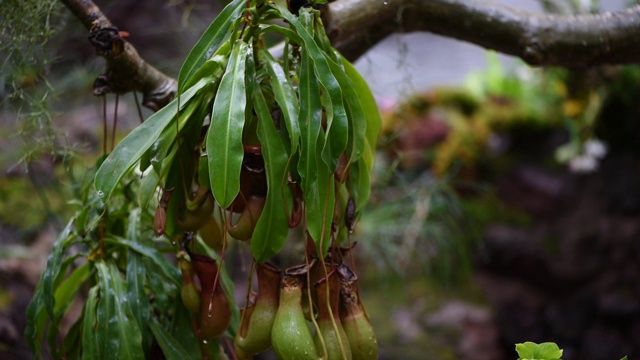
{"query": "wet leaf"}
{"type": "Point", "coordinates": [136, 279]}
{"type": "Point", "coordinates": [166, 269]}
{"type": "Point", "coordinates": [224, 138]}
{"type": "Point", "coordinates": [171, 348]}
{"type": "Point", "coordinates": [89, 324]}
{"type": "Point", "coordinates": [117, 332]}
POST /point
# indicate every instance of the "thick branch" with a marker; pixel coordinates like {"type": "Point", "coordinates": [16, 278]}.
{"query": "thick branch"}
{"type": "Point", "coordinates": [126, 70]}
{"type": "Point", "coordinates": [569, 41]}
{"type": "Point", "coordinates": [354, 26]}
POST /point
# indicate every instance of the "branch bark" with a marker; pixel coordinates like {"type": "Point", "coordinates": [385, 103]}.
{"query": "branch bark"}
{"type": "Point", "coordinates": [125, 71]}
{"type": "Point", "coordinates": [354, 26]}
{"type": "Point", "coordinates": [551, 40]}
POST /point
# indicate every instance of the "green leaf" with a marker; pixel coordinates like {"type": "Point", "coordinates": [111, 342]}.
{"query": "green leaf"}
{"type": "Point", "coordinates": [136, 279]}
{"type": "Point", "coordinates": [167, 269]}
{"type": "Point", "coordinates": [53, 269]}
{"type": "Point", "coordinates": [288, 33]}
{"type": "Point", "coordinates": [171, 348]}
{"type": "Point", "coordinates": [532, 351]}
{"type": "Point", "coordinates": [272, 228]}
{"type": "Point", "coordinates": [357, 117]}
{"type": "Point", "coordinates": [136, 295]}
{"type": "Point", "coordinates": [215, 35]}
{"type": "Point", "coordinates": [36, 322]}
{"type": "Point", "coordinates": [319, 204]}
{"type": "Point", "coordinates": [89, 324]}
{"type": "Point", "coordinates": [316, 177]}
{"type": "Point", "coordinates": [131, 148]}
{"type": "Point", "coordinates": [337, 123]}
{"type": "Point", "coordinates": [169, 136]}
{"type": "Point", "coordinates": [67, 290]}
{"type": "Point", "coordinates": [117, 332]}
{"type": "Point", "coordinates": [285, 96]}
{"type": "Point", "coordinates": [183, 319]}
{"type": "Point", "coordinates": [310, 123]}
{"type": "Point", "coordinates": [369, 105]}
{"type": "Point", "coordinates": [224, 138]}
{"type": "Point", "coordinates": [212, 66]}
{"type": "Point", "coordinates": [147, 189]}
{"type": "Point", "coordinates": [72, 343]}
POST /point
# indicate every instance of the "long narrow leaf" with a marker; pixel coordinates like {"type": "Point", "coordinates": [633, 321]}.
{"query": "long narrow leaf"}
{"type": "Point", "coordinates": [129, 150]}
{"type": "Point", "coordinates": [357, 117]}
{"type": "Point", "coordinates": [66, 292]}
{"type": "Point", "coordinates": [368, 102]}
{"type": "Point", "coordinates": [224, 139]}
{"type": "Point", "coordinates": [53, 269]}
{"type": "Point", "coordinates": [171, 348]}
{"type": "Point", "coordinates": [337, 124]}
{"type": "Point", "coordinates": [117, 332]}
{"type": "Point", "coordinates": [169, 271]}
{"type": "Point", "coordinates": [285, 96]}
{"type": "Point", "coordinates": [272, 228]}
{"type": "Point", "coordinates": [310, 122]}
{"type": "Point", "coordinates": [89, 324]}
{"type": "Point", "coordinates": [216, 34]}
{"type": "Point", "coordinates": [319, 204]}
{"type": "Point", "coordinates": [136, 279]}
{"type": "Point", "coordinates": [36, 322]}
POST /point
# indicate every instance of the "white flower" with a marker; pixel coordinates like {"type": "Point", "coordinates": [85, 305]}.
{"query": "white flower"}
{"type": "Point", "coordinates": [595, 148]}
{"type": "Point", "coordinates": [583, 164]}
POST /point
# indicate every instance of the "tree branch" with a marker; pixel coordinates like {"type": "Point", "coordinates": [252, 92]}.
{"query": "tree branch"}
{"type": "Point", "coordinates": [126, 70]}
{"type": "Point", "coordinates": [554, 40]}
{"type": "Point", "coordinates": [354, 26]}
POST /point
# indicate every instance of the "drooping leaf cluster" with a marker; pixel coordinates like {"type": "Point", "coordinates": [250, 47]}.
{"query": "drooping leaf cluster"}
{"type": "Point", "coordinates": [310, 112]}
{"type": "Point", "coordinates": [109, 259]}
{"type": "Point", "coordinates": [307, 116]}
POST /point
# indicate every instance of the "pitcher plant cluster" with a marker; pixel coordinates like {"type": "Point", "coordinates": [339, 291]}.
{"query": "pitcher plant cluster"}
{"type": "Point", "coordinates": [256, 147]}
